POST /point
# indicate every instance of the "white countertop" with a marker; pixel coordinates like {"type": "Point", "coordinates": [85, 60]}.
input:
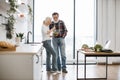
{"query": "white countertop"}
{"type": "Point", "coordinates": [27, 49]}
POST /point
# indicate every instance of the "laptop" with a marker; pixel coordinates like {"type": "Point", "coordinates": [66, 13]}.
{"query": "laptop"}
{"type": "Point", "coordinates": [106, 48]}
{"type": "Point", "coordinates": [107, 44]}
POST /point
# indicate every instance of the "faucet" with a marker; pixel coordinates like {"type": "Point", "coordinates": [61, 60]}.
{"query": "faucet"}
{"type": "Point", "coordinates": [29, 32]}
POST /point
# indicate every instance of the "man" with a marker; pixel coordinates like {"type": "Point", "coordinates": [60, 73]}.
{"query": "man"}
{"type": "Point", "coordinates": [58, 41]}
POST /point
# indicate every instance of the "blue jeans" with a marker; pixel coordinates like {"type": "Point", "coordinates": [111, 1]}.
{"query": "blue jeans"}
{"type": "Point", "coordinates": [59, 47]}
{"type": "Point", "coordinates": [50, 51]}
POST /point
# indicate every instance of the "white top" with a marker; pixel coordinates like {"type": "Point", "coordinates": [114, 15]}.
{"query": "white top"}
{"type": "Point", "coordinates": [45, 36]}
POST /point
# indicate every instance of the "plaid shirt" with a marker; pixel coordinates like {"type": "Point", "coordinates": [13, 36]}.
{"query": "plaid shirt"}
{"type": "Point", "coordinates": [60, 29]}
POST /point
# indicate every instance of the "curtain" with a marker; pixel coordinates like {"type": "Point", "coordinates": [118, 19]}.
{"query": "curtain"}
{"type": "Point", "coordinates": [108, 24]}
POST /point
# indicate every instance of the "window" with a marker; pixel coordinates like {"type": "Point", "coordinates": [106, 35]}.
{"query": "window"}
{"type": "Point", "coordinates": [45, 8]}
{"type": "Point", "coordinates": [84, 21]}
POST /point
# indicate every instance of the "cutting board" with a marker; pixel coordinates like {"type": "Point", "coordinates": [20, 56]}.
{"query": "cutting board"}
{"type": "Point", "coordinates": [7, 49]}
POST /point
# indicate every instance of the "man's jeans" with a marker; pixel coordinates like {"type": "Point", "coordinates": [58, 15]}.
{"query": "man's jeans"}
{"type": "Point", "coordinates": [50, 51]}
{"type": "Point", "coordinates": [59, 47]}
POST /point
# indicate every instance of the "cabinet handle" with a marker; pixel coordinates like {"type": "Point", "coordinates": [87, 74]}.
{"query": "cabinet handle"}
{"type": "Point", "coordinates": [37, 59]}
{"type": "Point", "coordinates": [41, 49]}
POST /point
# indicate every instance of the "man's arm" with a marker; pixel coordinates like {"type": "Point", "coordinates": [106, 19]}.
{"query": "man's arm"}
{"type": "Point", "coordinates": [51, 30]}
{"type": "Point", "coordinates": [65, 30]}
{"type": "Point", "coordinates": [51, 25]}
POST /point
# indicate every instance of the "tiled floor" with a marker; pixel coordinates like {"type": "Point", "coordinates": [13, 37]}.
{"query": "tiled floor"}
{"type": "Point", "coordinates": [92, 71]}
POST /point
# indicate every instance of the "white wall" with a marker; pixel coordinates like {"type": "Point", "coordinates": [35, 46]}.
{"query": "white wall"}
{"type": "Point", "coordinates": [21, 24]}
{"type": "Point", "coordinates": [2, 10]}
{"type": "Point", "coordinates": [109, 25]}
{"type": "Point", "coordinates": [117, 24]}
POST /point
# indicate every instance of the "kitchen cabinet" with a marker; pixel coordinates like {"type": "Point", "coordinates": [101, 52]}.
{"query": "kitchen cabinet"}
{"type": "Point", "coordinates": [23, 64]}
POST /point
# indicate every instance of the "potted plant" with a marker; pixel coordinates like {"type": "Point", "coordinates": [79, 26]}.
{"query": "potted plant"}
{"type": "Point", "coordinates": [85, 46]}
{"type": "Point", "coordinates": [9, 25]}
{"type": "Point", "coordinates": [98, 47]}
{"type": "Point", "coordinates": [10, 19]}
{"type": "Point", "coordinates": [20, 35]}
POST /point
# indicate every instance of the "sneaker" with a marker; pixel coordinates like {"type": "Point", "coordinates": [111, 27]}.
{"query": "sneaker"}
{"type": "Point", "coordinates": [58, 72]}
{"type": "Point", "coordinates": [64, 71]}
{"type": "Point", "coordinates": [54, 72]}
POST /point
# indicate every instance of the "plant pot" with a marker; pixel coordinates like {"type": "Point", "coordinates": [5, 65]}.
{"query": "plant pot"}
{"type": "Point", "coordinates": [17, 40]}
{"type": "Point", "coordinates": [98, 49]}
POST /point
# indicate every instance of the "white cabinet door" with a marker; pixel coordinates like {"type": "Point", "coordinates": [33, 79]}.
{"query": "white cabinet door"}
{"type": "Point", "coordinates": [16, 67]}
{"type": "Point", "coordinates": [21, 66]}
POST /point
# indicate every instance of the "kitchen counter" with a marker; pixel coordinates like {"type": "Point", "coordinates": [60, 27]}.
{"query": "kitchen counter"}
{"type": "Point", "coordinates": [23, 64]}
{"type": "Point", "coordinates": [24, 49]}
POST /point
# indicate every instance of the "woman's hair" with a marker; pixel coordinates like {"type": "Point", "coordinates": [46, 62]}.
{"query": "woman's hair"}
{"type": "Point", "coordinates": [46, 20]}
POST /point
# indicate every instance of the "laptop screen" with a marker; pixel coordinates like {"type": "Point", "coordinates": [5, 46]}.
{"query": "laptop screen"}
{"type": "Point", "coordinates": [107, 44]}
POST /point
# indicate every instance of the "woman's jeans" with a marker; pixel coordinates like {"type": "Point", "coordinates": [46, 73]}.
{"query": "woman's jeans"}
{"type": "Point", "coordinates": [59, 47]}
{"type": "Point", "coordinates": [50, 51]}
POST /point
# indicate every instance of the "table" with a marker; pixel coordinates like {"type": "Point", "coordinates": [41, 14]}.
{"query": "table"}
{"type": "Point", "coordinates": [95, 54]}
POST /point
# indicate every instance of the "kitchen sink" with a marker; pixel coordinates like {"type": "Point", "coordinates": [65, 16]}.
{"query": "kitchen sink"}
{"type": "Point", "coordinates": [33, 43]}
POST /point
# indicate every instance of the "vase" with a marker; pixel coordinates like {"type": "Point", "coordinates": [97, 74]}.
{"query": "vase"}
{"type": "Point", "coordinates": [17, 40]}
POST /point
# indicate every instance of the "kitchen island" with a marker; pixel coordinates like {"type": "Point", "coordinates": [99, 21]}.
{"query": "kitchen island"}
{"type": "Point", "coordinates": [25, 63]}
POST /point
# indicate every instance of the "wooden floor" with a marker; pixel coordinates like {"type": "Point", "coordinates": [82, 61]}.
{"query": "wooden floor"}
{"type": "Point", "coordinates": [92, 71]}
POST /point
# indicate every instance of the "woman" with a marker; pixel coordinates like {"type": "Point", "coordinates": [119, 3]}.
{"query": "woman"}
{"type": "Point", "coordinates": [47, 44]}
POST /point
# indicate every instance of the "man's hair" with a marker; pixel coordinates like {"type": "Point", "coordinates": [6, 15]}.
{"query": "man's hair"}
{"type": "Point", "coordinates": [55, 13]}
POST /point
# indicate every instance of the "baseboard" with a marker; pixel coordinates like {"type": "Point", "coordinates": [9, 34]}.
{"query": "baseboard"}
{"type": "Point", "coordinates": [114, 63]}
{"type": "Point", "coordinates": [101, 63]}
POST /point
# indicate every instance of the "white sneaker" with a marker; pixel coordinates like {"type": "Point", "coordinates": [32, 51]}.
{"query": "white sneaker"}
{"type": "Point", "coordinates": [52, 71]}
{"type": "Point", "coordinates": [55, 72]}
{"type": "Point", "coordinates": [58, 72]}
